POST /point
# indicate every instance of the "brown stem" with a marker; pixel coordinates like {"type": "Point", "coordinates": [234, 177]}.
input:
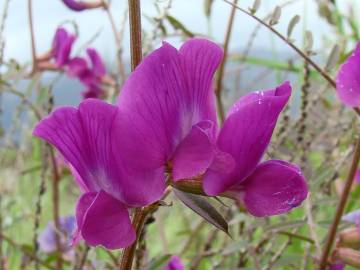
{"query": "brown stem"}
{"type": "Point", "coordinates": [32, 35]}
{"type": "Point", "coordinates": [340, 207]}
{"type": "Point", "coordinates": [135, 32]}
{"type": "Point", "coordinates": [138, 223]}
{"type": "Point", "coordinates": [220, 76]}
{"type": "Point", "coordinates": [55, 198]}
{"type": "Point", "coordinates": [136, 55]}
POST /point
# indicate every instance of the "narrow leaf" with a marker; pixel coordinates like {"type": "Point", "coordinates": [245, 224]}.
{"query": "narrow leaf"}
{"type": "Point", "coordinates": [293, 22]}
{"type": "Point", "coordinates": [255, 6]}
{"type": "Point", "coordinates": [333, 58]}
{"type": "Point", "coordinates": [178, 25]}
{"type": "Point", "coordinates": [203, 208]}
{"type": "Point", "coordinates": [275, 16]}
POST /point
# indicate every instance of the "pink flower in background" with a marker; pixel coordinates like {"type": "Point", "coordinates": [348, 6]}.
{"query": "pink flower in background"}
{"type": "Point", "coordinates": [61, 47]}
{"type": "Point", "coordinates": [47, 239]}
{"type": "Point", "coordinates": [174, 264]}
{"type": "Point", "coordinates": [90, 74]}
{"type": "Point", "coordinates": [357, 176]}
{"type": "Point", "coordinates": [353, 217]}
{"type": "Point", "coordinates": [79, 5]}
{"type": "Point", "coordinates": [269, 188]}
{"type": "Point", "coordinates": [337, 266]}
{"type": "Point", "coordinates": [348, 79]}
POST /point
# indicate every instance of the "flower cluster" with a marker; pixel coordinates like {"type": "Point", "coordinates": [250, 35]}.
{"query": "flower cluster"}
{"type": "Point", "coordinates": [91, 72]}
{"type": "Point", "coordinates": [165, 122]}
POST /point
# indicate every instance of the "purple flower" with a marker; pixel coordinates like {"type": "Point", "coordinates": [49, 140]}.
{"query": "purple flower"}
{"type": "Point", "coordinates": [269, 188]}
{"type": "Point", "coordinates": [47, 239]}
{"type": "Point", "coordinates": [174, 264]}
{"type": "Point", "coordinates": [166, 121]}
{"type": "Point", "coordinates": [168, 114]}
{"type": "Point", "coordinates": [91, 76]}
{"type": "Point", "coordinates": [61, 47]}
{"type": "Point", "coordinates": [348, 80]}
{"type": "Point", "coordinates": [337, 266]}
{"type": "Point", "coordinates": [87, 138]}
{"type": "Point", "coordinates": [353, 217]}
{"type": "Point", "coordinates": [357, 176]}
{"type": "Point", "coordinates": [82, 5]}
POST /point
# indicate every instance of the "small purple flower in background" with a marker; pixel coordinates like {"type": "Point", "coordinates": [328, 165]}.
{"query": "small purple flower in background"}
{"type": "Point", "coordinates": [47, 239]}
{"type": "Point", "coordinates": [79, 5]}
{"type": "Point", "coordinates": [347, 80]}
{"type": "Point", "coordinates": [353, 217]}
{"type": "Point", "coordinates": [269, 188]}
{"type": "Point", "coordinates": [91, 76]}
{"type": "Point", "coordinates": [61, 47]}
{"type": "Point", "coordinates": [357, 176]}
{"type": "Point", "coordinates": [60, 51]}
{"type": "Point", "coordinates": [337, 266]}
{"type": "Point", "coordinates": [174, 264]}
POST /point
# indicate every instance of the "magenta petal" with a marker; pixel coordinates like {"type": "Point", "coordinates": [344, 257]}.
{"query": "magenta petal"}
{"type": "Point", "coordinates": [246, 134]}
{"type": "Point", "coordinates": [61, 47]}
{"type": "Point", "coordinates": [87, 138]}
{"type": "Point", "coordinates": [174, 264]}
{"type": "Point", "coordinates": [98, 66]}
{"type": "Point", "coordinates": [195, 153]}
{"type": "Point", "coordinates": [168, 93]}
{"type": "Point", "coordinates": [103, 220]}
{"type": "Point", "coordinates": [75, 5]}
{"type": "Point", "coordinates": [348, 80]}
{"type": "Point", "coordinates": [274, 188]}
{"type": "Point", "coordinates": [76, 67]}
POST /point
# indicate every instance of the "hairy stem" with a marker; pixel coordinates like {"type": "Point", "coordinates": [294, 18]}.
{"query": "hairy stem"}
{"type": "Point", "coordinates": [219, 82]}
{"type": "Point", "coordinates": [340, 208]}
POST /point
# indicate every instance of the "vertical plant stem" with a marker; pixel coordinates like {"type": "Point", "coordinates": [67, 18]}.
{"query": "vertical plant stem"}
{"type": "Point", "coordinates": [135, 32]}
{"type": "Point", "coordinates": [138, 223]}
{"type": "Point", "coordinates": [32, 36]}
{"type": "Point", "coordinates": [44, 168]}
{"type": "Point", "coordinates": [136, 55]}
{"type": "Point", "coordinates": [118, 44]}
{"type": "Point", "coordinates": [340, 207]}
{"type": "Point", "coordinates": [56, 196]}
{"type": "Point", "coordinates": [220, 76]}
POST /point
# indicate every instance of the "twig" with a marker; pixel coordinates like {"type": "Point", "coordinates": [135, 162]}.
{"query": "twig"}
{"type": "Point", "coordinates": [295, 48]}
{"type": "Point", "coordinates": [83, 258]}
{"type": "Point", "coordinates": [138, 223]}
{"type": "Point", "coordinates": [219, 82]}
{"type": "Point", "coordinates": [135, 32]}
{"type": "Point", "coordinates": [32, 35]}
{"type": "Point", "coordinates": [340, 207]}
{"type": "Point", "coordinates": [55, 197]}
{"type": "Point", "coordinates": [26, 251]}
{"type": "Point", "coordinates": [44, 167]}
